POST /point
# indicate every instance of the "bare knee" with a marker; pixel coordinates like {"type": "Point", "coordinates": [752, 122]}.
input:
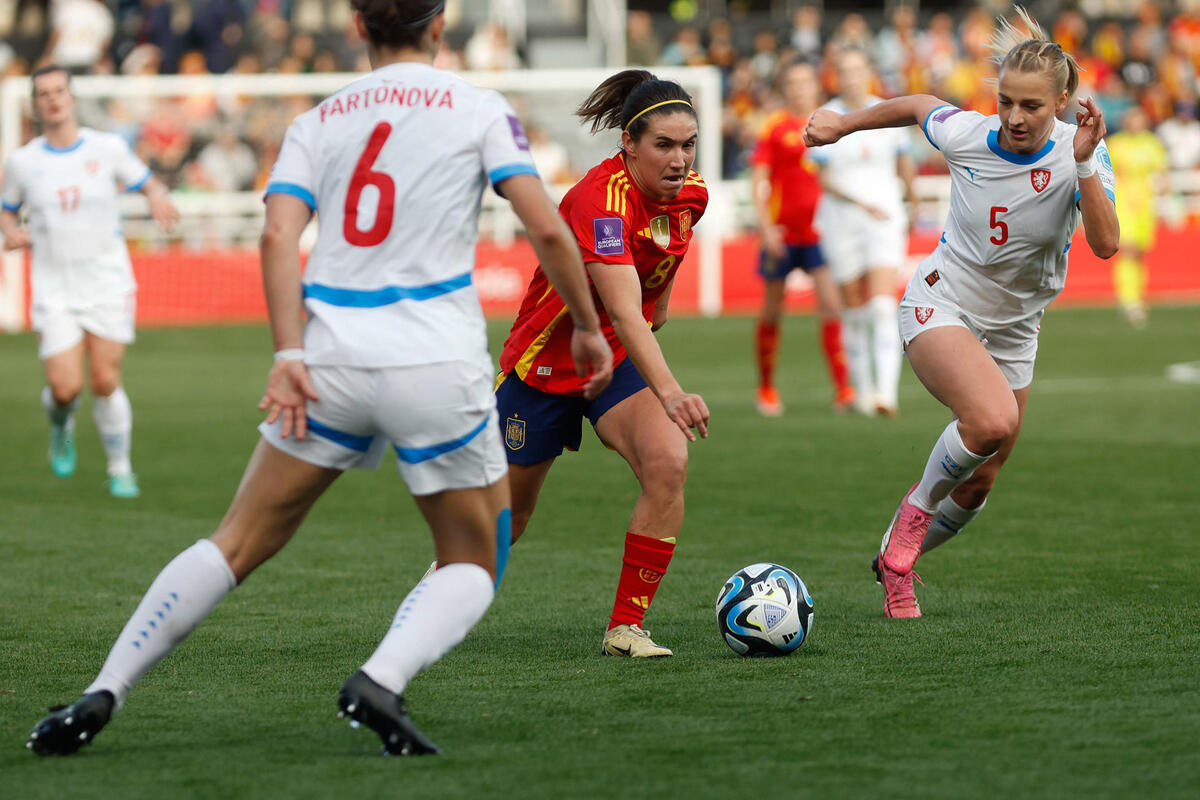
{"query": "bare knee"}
{"type": "Point", "coordinates": [64, 392]}
{"type": "Point", "coordinates": [664, 472]}
{"type": "Point", "coordinates": [104, 381]}
{"type": "Point", "coordinates": [984, 432]}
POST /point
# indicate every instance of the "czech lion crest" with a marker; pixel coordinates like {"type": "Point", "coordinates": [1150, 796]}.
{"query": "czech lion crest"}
{"type": "Point", "coordinates": [1040, 178]}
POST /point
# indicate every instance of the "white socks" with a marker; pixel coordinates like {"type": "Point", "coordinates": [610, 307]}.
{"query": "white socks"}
{"type": "Point", "coordinates": [950, 464]}
{"type": "Point", "coordinates": [950, 519]}
{"type": "Point", "coordinates": [59, 416]}
{"type": "Point", "coordinates": [856, 343]}
{"type": "Point", "coordinates": [183, 594]}
{"type": "Point", "coordinates": [437, 614]}
{"type": "Point", "coordinates": [114, 419]}
{"type": "Point", "coordinates": [883, 312]}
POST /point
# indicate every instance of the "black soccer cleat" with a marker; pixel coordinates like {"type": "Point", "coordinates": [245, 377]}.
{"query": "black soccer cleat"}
{"type": "Point", "coordinates": [366, 702]}
{"type": "Point", "coordinates": [71, 727]}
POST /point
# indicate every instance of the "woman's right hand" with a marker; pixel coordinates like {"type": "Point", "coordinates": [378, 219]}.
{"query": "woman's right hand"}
{"type": "Point", "coordinates": [593, 360]}
{"type": "Point", "coordinates": [688, 411]}
{"type": "Point", "coordinates": [773, 243]}
{"type": "Point", "coordinates": [824, 127]}
{"type": "Point", "coordinates": [288, 391]}
{"type": "Point", "coordinates": [16, 239]}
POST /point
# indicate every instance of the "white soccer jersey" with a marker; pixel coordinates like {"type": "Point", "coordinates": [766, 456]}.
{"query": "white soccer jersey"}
{"type": "Point", "coordinates": [862, 166]}
{"type": "Point", "coordinates": [79, 255]}
{"type": "Point", "coordinates": [395, 164]}
{"type": "Point", "coordinates": [1003, 254]}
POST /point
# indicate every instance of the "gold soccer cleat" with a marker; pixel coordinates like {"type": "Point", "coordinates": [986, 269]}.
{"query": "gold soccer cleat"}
{"type": "Point", "coordinates": [632, 642]}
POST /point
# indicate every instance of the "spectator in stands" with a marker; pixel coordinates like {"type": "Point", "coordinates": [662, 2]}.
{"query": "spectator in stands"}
{"type": "Point", "coordinates": [685, 50]}
{"type": "Point", "coordinates": [806, 32]}
{"type": "Point", "coordinates": [80, 35]}
{"type": "Point", "coordinates": [896, 50]}
{"type": "Point", "coordinates": [226, 164]}
{"type": "Point", "coordinates": [549, 156]}
{"type": "Point", "coordinates": [642, 45]}
{"type": "Point", "coordinates": [1181, 135]}
{"type": "Point", "coordinates": [1138, 70]}
{"type": "Point", "coordinates": [765, 61]}
{"type": "Point", "coordinates": [490, 49]}
{"type": "Point", "coordinates": [216, 31]}
{"type": "Point", "coordinates": [940, 49]}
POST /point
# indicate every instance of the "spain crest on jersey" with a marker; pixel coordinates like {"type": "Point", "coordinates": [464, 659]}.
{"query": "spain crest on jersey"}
{"type": "Point", "coordinates": [91, 166]}
{"type": "Point", "coordinates": [660, 231]}
{"type": "Point", "coordinates": [685, 223]}
{"type": "Point", "coordinates": [514, 433]}
{"type": "Point", "coordinates": [1040, 178]}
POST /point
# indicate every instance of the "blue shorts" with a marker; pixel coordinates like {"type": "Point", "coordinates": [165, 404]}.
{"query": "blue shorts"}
{"type": "Point", "coordinates": [538, 426]}
{"type": "Point", "coordinates": [799, 256]}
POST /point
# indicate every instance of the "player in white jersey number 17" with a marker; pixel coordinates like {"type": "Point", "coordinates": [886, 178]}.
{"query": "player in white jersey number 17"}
{"type": "Point", "coordinates": [1020, 182]}
{"type": "Point", "coordinates": [83, 287]}
{"type": "Point", "coordinates": [340, 392]}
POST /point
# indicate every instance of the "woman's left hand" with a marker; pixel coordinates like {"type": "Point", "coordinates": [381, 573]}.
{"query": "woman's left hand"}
{"type": "Point", "coordinates": [1091, 129]}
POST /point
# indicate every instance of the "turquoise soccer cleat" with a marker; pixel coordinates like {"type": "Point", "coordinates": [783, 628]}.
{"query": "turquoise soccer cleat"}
{"type": "Point", "coordinates": [62, 451]}
{"type": "Point", "coordinates": [123, 486]}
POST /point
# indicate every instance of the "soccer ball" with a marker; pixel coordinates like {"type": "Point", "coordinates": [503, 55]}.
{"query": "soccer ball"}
{"type": "Point", "coordinates": [764, 610]}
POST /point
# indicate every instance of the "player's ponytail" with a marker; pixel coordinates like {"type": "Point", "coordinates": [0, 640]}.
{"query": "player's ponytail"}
{"type": "Point", "coordinates": [398, 24]}
{"type": "Point", "coordinates": [1034, 52]}
{"type": "Point", "coordinates": [630, 98]}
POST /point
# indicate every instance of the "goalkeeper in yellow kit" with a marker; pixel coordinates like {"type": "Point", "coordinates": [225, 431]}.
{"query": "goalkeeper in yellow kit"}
{"type": "Point", "coordinates": [1139, 161]}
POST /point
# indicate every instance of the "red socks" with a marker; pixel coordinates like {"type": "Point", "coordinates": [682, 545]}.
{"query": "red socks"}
{"type": "Point", "coordinates": [646, 559]}
{"type": "Point", "coordinates": [835, 357]}
{"type": "Point", "coordinates": [767, 343]}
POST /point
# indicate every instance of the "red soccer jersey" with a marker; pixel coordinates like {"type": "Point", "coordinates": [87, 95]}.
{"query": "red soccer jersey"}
{"type": "Point", "coordinates": [613, 223]}
{"type": "Point", "coordinates": [795, 188]}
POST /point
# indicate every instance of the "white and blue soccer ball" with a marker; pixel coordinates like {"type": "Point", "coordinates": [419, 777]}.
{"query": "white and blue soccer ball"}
{"type": "Point", "coordinates": [764, 610]}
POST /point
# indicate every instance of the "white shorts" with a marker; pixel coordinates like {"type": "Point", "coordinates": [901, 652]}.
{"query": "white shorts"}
{"type": "Point", "coordinates": [850, 250]}
{"type": "Point", "coordinates": [1012, 347]}
{"type": "Point", "coordinates": [60, 329]}
{"type": "Point", "coordinates": [440, 419]}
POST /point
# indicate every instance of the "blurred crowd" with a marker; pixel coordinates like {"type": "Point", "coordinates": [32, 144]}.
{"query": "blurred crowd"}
{"type": "Point", "coordinates": [1149, 60]}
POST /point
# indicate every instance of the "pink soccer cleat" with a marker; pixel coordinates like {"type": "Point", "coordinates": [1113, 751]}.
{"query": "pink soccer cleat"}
{"type": "Point", "coordinates": [902, 540]}
{"type": "Point", "coordinates": [899, 601]}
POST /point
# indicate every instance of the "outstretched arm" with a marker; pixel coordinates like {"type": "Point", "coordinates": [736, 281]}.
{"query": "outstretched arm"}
{"type": "Point", "coordinates": [620, 290]}
{"type": "Point", "coordinates": [826, 126]}
{"type": "Point", "coordinates": [1100, 224]}
{"type": "Point", "coordinates": [559, 258]}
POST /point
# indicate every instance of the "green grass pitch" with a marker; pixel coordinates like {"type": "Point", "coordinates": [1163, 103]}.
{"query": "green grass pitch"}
{"type": "Point", "coordinates": [1059, 655]}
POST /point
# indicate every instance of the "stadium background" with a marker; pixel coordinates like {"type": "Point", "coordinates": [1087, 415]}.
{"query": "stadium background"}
{"type": "Point", "coordinates": [216, 152]}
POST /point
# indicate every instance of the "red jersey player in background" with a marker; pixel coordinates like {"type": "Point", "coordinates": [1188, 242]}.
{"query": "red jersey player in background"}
{"type": "Point", "coordinates": [632, 216]}
{"type": "Point", "coordinates": [786, 189]}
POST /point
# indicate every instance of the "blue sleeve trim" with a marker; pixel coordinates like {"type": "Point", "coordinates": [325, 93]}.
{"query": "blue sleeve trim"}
{"type": "Point", "coordinates": [11, 207]}
{"type": "Point", "coordinates": [925, 123]}
{"type": "Point", "coordinates": [509, 170]}
{"type": "Point", "coordinates": [294, 190]}
{"type": "Point", "coordinates": [138, 184]}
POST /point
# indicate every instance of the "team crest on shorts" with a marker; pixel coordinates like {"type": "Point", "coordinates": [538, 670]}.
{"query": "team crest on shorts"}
{"type": "Point", "coordinates": [685, 223]}
{"type": "Point", "coordinates": [1040, 178]}
{"type": "Point", "coordinates": [923, 314]}
{"type": "Point", "coordinates": [514, 433]}
{"type": "Point", "coordinates": [660, 231]}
